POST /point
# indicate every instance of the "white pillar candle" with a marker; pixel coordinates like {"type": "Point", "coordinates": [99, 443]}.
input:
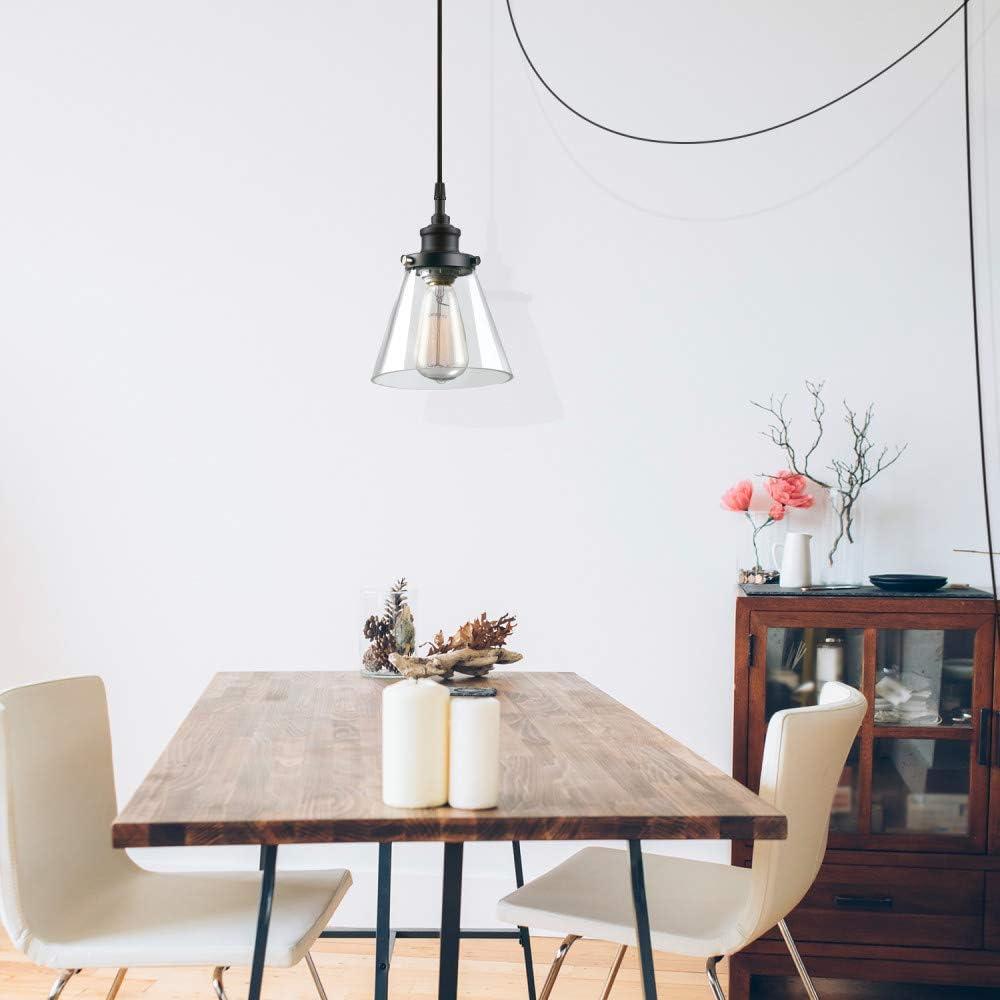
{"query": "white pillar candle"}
{"type": "Point", "coordinates": [474, 775]}
{"type": "Point", "coordinates": [415, 744]}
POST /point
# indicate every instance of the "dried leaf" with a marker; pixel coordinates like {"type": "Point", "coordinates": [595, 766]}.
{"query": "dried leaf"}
{"type": "Point", "coordinates": [479, 633]}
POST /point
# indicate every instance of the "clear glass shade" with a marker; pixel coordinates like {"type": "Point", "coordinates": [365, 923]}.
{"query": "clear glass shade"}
{"type": "Point", "coordinates": [441, 336]}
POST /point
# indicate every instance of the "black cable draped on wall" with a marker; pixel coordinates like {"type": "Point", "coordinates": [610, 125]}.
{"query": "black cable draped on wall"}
{"type": "Point", "coordinates": [977, 351]}
{"type": "Point", "coordinates": [962, 9]}
{"type": "Point", "coordinates": [740, 135]}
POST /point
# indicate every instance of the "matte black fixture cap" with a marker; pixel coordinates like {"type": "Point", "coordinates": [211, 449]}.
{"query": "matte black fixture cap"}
{"type": "Point", "coordinates": [439, 243]}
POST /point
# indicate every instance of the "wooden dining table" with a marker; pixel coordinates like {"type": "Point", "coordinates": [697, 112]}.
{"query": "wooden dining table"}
{"type": "Point", "coordinates": [272, 758]}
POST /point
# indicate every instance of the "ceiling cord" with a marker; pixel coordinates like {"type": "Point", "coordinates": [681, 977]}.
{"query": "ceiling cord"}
{"type": "Point", "coordinates": [440, 155]}
{"type": "Point", "coordinates": [726, 138]}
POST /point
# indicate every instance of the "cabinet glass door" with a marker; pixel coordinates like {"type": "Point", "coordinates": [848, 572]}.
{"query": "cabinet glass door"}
{"type": "Point", "coordinates": [931, 701]}
{"type": "Point", "coordinates": [799, 655]}
{"type": "Point", "coordinates": [920, 787]}
{"type": "Point", "coordinates": [917, 776]}
{"type": "Point", "coordinates": [924, 678]}
{"type": "Point", "coordinates": [847, 799]}
{"type": "Point", "coordinates": [800, 661]}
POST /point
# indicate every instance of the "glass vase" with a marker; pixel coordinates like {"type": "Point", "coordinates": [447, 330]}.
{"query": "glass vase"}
{"type": "Point", "coordinates": [756, 562]}
{"type": "Point", "coordinates": [839, 548]}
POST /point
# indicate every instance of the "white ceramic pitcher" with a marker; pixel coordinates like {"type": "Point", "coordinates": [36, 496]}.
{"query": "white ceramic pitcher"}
{"type": "Point", "coordinates": [796, 564]}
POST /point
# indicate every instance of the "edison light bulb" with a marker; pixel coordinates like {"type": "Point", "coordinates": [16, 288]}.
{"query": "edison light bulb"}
{"type": "Point", "coordinates": [442, 353]}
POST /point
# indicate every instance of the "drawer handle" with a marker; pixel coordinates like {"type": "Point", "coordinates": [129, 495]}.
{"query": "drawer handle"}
{"type": "Point", "coordinates": [863, 902]}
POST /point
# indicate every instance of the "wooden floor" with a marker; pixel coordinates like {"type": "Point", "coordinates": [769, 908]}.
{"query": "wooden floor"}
{"type": "Point", "coordinates": [490, 970]}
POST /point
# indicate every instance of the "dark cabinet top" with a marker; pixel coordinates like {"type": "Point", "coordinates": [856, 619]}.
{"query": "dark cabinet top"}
{"type": "Point", "coordinates": [946, 593]}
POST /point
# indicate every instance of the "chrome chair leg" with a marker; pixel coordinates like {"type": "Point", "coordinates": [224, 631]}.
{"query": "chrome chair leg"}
{"type": "Point", "coordinates": [713, 977]}
{"type": "Point", "coordinates": [315, 974]}
{"type": "Point", "coordinates": [557, 963]}
{"type": "Point", "coordinates": [60, 984]}
{"type": "Point", "coordinates": [117, 984]}
{"type": "Point", "coordinates": [613, 972]}
{"type": "Point", "coordinates": [800, 967]}
{"type": "Point", "coordinates": [217, 985]}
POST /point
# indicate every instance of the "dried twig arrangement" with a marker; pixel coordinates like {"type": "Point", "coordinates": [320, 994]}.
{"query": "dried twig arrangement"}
{"type": "Point", "coordinates": [865, 461]}
{"type": "Point", "coordinates": [474, 649]}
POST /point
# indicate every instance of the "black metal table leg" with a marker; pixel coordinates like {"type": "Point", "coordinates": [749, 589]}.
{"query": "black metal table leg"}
{"type": "Point", "coordinates": [451, 922]}
{"type": "Point", "coordinates": [383, 936]}
{"type": "Point", "coordinates": [642, 920]}
{"type": "Point", "coordinates": [269, 859]}
{"type": "Point", "coordinates": [523, 932]}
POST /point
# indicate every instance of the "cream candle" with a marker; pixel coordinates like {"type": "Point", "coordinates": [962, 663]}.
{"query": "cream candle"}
{"type": "Point", "coordinates": [474, 773]}
{"type": "Point", "coordinates": [415, 744]}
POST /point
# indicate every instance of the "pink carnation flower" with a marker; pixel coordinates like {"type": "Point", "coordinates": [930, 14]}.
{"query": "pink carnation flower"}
{"type": "Point", "coordinates": [738, 497]}
{"type": "Point", "coordinates": [788, 489]}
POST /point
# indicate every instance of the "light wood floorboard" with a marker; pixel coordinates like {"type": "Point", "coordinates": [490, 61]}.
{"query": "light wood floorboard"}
{"type": "Point", "coordinates": [490, 970]}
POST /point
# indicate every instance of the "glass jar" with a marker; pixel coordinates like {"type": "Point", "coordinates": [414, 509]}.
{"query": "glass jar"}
{"type": "Point", "coordinates": [829, 661]}
{"type": "Point", "coordinates": [372, 603]}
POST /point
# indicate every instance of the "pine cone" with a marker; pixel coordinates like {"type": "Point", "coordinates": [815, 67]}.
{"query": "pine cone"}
{"type": "Point", "coordinates": [376, 656]}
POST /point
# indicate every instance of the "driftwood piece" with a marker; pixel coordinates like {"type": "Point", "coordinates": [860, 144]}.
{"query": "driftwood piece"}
{"type": "Point", "coordinates": [474, 662]}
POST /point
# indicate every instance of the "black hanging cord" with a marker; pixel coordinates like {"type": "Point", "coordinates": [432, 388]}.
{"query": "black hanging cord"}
{"type": "Point", "coordinates": [439, 216]}
{"type": "Point", "coordinates": [440, 165]}
{"type": "Point", "coordinates": [975, 318]}
{"type": "Point", "coordinates": [726, 138]}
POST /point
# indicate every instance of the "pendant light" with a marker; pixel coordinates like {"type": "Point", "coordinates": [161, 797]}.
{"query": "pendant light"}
{"type": "Point", "coordinates": [441, 334]}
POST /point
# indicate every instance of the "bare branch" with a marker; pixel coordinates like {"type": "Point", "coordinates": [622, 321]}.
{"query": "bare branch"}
{"type": "Point", "coordinates": [815, 389]}
{"type": "Point", "coordinates": [779, 432]}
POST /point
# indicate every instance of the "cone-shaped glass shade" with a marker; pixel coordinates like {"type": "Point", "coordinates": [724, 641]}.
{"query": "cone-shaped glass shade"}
{"type": "Point", "coordinates": [441, 336]}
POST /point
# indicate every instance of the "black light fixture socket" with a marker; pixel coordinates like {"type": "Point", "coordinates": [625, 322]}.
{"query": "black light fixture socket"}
{"type": "Point", "coordinates": [439, 243]}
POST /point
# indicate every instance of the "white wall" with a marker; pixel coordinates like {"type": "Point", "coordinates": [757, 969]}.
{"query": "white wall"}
{"type": "Point", "coordinates": [202, 208]}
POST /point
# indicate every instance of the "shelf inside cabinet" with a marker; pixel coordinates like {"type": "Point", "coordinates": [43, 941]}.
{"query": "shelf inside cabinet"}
{"type": "Point", "coordinates": [961, 733]}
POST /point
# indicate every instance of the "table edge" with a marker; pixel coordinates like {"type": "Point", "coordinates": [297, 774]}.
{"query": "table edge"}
{"type": "Point", "coordinates": [450, 828]}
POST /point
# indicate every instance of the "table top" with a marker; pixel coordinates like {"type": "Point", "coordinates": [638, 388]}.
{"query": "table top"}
{"type": "Point", "coordinates": [292, 758]}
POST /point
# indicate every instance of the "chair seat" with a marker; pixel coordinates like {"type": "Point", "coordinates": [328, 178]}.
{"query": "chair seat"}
{"type": "Point", "coordinates": [152, 918]}
{"type": "Point", "coordinates": [694, 906]}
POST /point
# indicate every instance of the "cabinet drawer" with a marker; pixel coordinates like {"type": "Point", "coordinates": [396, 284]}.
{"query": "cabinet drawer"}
{"type": "Point", "coordinates": [916, 907]}
{"type": "Point", "coordinates": [991, 931]}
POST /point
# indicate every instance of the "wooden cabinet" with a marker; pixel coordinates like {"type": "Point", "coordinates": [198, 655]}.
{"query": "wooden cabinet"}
{"type": "Point", "coordinates": [910, 891]}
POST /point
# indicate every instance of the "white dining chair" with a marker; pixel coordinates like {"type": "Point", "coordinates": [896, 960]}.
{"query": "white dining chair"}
{"type": "Point", "coordinates": [70, 901]}
{"type": "Point", "coordinates": [699, 908]}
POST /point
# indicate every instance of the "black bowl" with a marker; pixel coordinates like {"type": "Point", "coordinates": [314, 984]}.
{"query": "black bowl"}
{"type": "Point", "coordinates": [913, 583]}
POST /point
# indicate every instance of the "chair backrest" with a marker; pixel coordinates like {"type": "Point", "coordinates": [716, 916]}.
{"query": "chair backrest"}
{"type": "Point", "coordinates": [57, 801]}
{"type": "Point", "coordinates": [804, 754]}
